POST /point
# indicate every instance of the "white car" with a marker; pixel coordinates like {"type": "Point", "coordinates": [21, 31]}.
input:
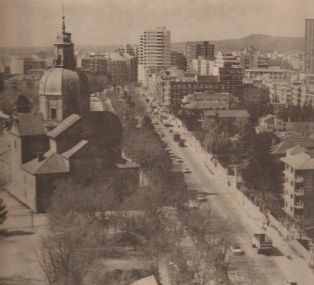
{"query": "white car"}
{"type": "Point", "coordinates": [178, 159]}
{"type": "Point", "coordinates": [201, 197]}
{"type": "Point", "coordinates": [236, 250]}
{"type": "Point", "coordinates": [186, 170]}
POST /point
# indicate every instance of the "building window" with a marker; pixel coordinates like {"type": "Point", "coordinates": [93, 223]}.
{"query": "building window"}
{"type": "Point", "coordinates": [53, 113]}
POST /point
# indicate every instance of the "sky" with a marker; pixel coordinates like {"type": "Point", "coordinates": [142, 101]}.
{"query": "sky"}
{"type": "Point", "coordinates": [103, 22]}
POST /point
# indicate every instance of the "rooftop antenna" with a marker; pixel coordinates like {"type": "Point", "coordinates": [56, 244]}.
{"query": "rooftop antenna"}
{"type": "Point", "coordinates": [63, 19]}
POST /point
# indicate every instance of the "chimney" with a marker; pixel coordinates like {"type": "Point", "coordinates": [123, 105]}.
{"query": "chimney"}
{"type": "Point", "coordinates": [40, 156]}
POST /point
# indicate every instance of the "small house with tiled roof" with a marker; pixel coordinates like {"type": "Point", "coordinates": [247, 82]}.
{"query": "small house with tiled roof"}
{"type": "Point", "coordinates": [43, 174]}
{"type": "Point", "coordinates": [79, 149]}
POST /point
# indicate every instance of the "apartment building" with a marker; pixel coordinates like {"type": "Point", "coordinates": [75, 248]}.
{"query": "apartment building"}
{"type": "Point", "coordinates": [94, 63]}
{"type": "Point", "coordinates": [309, 46]}
{"type": "Point", "coordinates": [170, 86]}
{"type": "Point", "coordinates": [193, 50]}
{"type": "Point", "coordinates": [178, 60]}
{"type": "Point", "coordinates": [154, 52]}
{"type": "Point", "coordinates": [117, 68]}
{"type": "Point", "coordinates": [289, 93]}
{"type": "Point", "coordinates": [20, 66]}
{"type": "Point", "coordinates": [205, 66]}
{"type": "Point", "coordinates": [299, 184]}
{"type": "Point", "coordinates": [259, 74]}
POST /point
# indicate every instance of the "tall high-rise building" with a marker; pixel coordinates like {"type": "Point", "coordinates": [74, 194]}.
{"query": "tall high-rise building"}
{"type": "Point", "coordinates": [309, 46]}
{"type": "Point", "coordinates": [154, 52]}
{"type": "Point", "coordinates": [195, 49]}
{"type": "Point", "coordinates": [190, 54]}
{"type": "Point", "coordinates": [205, 50]}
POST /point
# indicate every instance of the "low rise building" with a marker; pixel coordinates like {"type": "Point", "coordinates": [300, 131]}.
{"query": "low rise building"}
{"type": "Point", "coordinates": [117, 68]}
{"type": "Point", "coordinates": [206, 100]}
{"type": "Point", "coordinates": [269, 124]}
{"type": "Point", "coordinates": [288, 93]}
{"type": "Point", "coordinates": [20, 66]}
{"type": "Point", "coordinates": [240, 117]}
{"type": "Point", "coordinates": [259, 74]}
{"type": "Point", "coordinates": [94, 63]}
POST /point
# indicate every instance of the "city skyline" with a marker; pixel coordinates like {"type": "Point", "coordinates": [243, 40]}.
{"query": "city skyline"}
{"type": "Point", "coordinates": [103, 22]}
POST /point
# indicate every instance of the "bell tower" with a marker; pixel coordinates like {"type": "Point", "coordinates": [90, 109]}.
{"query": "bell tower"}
{"type": "Point", "coordinates": [64, 49]}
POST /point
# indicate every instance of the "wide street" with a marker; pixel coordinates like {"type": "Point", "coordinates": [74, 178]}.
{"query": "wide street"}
{"type": "Point", "coordinates": [250, 268]}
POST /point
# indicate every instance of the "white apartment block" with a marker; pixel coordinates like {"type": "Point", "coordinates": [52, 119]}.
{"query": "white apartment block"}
{"type": "Point", "coordinates": [290, 93]}
{"type": "Point", "coordinates": [299, 184]}
{"type": "Point", "coordinates": [154, 51]}
{"type": "Point", "coordinates": [203, 66]}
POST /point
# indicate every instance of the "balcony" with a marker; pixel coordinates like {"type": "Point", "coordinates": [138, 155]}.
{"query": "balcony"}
{"type": "Point", "coordinates": [299, 205]}
{"type": "Point", "coordinates": [299, 191]}
{"type": "Point", "coordinates": [299, 179]}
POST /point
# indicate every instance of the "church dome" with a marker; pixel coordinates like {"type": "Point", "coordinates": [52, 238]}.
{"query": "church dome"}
{"type": "Point", "coordinates": [59, 81]}
{"type": "Point", "coordinates": [65, 91]}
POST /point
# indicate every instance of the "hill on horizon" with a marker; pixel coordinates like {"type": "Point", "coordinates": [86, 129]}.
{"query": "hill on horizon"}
{"type": "Point", "coordinates": [259, 41]}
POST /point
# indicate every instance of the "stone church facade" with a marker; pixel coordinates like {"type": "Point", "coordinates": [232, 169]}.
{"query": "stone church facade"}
{"type": "Point", "coordinates": [65, 140]}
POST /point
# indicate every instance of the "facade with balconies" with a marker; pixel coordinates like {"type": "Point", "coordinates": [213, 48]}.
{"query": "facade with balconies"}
{"type": "Point", "coordinates": [299, 184]}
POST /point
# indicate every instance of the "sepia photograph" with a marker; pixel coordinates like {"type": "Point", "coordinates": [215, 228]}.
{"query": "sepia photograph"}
{"type": "Point", "coordinates": [156, 142]}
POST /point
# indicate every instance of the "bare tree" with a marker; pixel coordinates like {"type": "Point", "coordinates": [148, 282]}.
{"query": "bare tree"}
{"type": "Point", "coordinates": [66, 257]}
{"type": "Point", "coordinates": [203, 258]}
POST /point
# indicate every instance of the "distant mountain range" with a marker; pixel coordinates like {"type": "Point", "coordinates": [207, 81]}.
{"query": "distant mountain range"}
{"type": "Point", "coordinates": [260, 42]}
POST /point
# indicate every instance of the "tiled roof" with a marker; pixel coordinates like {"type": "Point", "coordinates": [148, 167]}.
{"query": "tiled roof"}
{"type": "Point", "coordinates": [301, 161]}
{"type": "Point", "coordinates": [65, 124]}
{"type": "Point", "coordinates": [3, 115]}
{"type": "Point", "coordinates": [301, 127]}
{"type": "Point", "coordinates": [227, 113]}
{"type": "Point", "coordinates": [150, 280]}
{"type": "Point", "coordinates": [28, 124]}
{"type": "Point", "coordinates": [52, 163]}
{"type": "Point", "coordinates": [299, 158]}
{"type": "Point", "coordinates": [266, 117]}
{"type": "Point", "coordinates": [205, 105]}
{"type": "Point", "coordinates": [281, 147]}
{"type": "Point", "coordinates": [75, 149]}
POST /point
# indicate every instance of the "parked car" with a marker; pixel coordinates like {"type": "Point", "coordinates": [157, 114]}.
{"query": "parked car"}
{"type": "Point", "coordinates": [192, 205]}
{"type": "Point", "coordinates": [179, 160]}
{"type": "Point", "coordinates": [236, 250]}
{"type": "Point", "coordinates": [186, 170]}
{"type": "Point", "coordinates": [201, 197]}
{"type": "Point", "coordinates": [288, 282]}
